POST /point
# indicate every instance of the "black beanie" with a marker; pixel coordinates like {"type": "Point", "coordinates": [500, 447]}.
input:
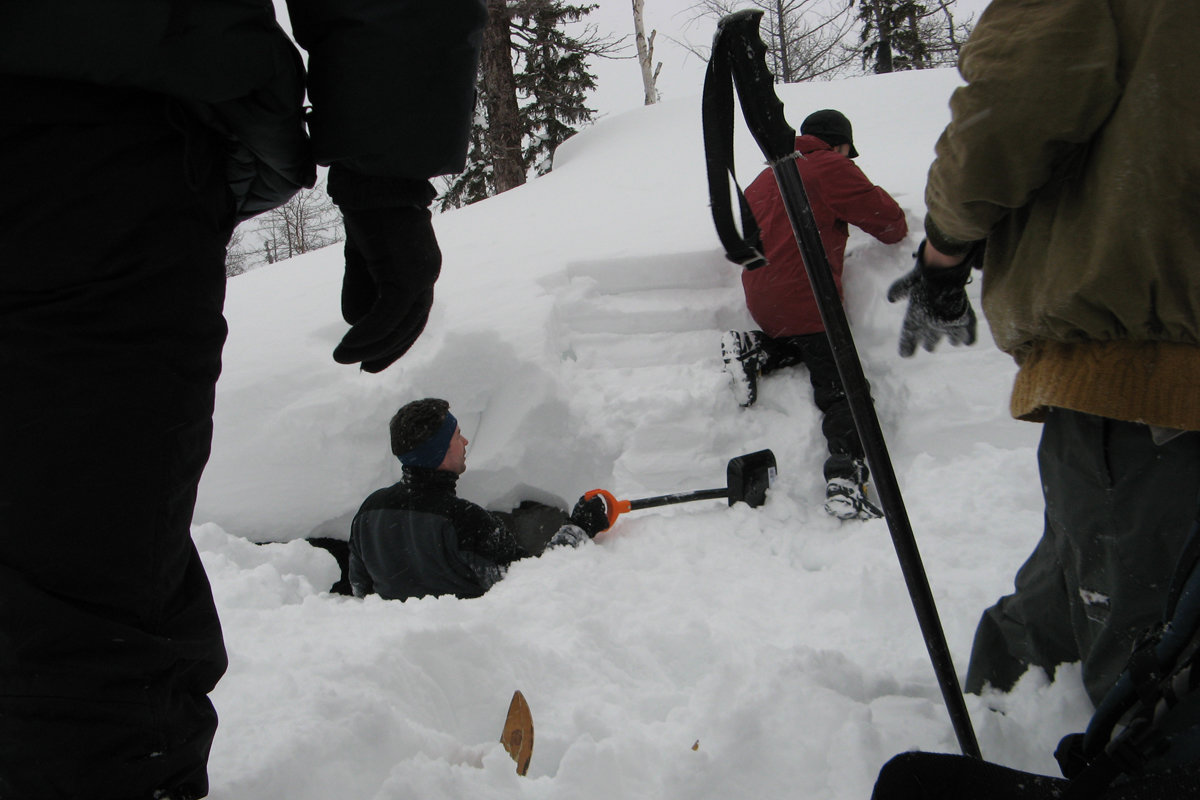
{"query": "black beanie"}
{"type": "Point", "coordinates": [416, 422]}
{"type": "Point", "coordinates": [831, 127]}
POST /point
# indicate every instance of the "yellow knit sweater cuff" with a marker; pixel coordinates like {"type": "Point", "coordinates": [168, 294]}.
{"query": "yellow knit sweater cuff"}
{"type": "Point", "coordinates": [1156, 383]}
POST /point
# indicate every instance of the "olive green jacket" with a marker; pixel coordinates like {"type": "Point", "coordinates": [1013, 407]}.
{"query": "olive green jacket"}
{"type": "Point", "coordinates": [1074, 149]}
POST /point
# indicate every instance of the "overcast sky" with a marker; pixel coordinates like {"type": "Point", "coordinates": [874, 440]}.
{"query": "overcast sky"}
{"type": "Point", "coordinates": [680, 26]}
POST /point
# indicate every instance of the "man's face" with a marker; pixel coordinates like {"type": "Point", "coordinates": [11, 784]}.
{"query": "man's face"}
{"type": "Point", "coordinates": [456, 455]}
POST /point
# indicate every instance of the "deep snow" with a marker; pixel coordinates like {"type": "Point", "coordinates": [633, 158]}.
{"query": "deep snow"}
{"type": "Point", "coordinates": [694, 651]}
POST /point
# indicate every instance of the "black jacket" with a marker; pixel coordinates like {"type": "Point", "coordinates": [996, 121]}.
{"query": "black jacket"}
{"type": "Point", "coordinates": [417, 538]}
{"type": "Point", "coordinates": [392, 84]}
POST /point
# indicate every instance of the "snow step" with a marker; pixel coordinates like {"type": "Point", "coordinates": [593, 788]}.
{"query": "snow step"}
{"type": "Point", "coordinates": [705, 269]}
{"type": "Point", "coordinates": [656, 311]}
{"type": "Point", "coordinates": [670, 350]}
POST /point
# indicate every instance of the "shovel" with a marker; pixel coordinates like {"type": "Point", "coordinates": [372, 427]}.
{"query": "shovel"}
{"type": "Point", "coordinates": [747, 479]}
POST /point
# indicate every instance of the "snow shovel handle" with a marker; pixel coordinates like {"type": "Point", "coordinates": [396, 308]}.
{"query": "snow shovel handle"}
{"type": "Point", "coordinates": [615, 507]}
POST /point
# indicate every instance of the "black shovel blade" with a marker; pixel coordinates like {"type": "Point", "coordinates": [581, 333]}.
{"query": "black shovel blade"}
{"type": "Point", "coordinates": [748, 477]}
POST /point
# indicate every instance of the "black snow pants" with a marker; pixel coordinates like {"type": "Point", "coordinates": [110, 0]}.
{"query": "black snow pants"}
{"type": "Point", "coordinates": [837, 424]}
{"type": "Point", "coordinates": [113, 222]}
{"type": "Point", "coordinates": [937, 776]}
{"type": "Point", "coordinates": [1119, 509]}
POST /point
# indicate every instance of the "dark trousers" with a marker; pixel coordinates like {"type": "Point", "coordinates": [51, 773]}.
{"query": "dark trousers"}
{"type": "Point", "coordinates": [113, 223]}
{"type": "Point", "coordinates": [1118, 510]}
{"type": "Point", "coordinates": [936, 776]}
{"type": "Point", "coordinates": [837, 423]}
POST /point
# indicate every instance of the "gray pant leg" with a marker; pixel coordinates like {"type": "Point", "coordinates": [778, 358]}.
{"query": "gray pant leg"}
{"type": "Point", "coordinates": [1118, 511]}
{"type": "Point", "coordinates": [1026, 628]}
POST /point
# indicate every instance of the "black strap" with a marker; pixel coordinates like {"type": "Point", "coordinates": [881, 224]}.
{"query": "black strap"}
{"type": "Point", "coordinates": [744, 247]}
{"type": "Point", "coordinates": [1189, 561]}
{"type": "Point", "coordinates": [1144, 669]}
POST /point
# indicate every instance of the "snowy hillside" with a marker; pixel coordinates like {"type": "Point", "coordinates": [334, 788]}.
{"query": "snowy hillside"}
{"type": "Point", "coordinates": [694, 651]}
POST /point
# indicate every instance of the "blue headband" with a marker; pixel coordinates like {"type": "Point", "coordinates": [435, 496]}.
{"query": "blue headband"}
{"type": "Point", "coordinates": [432, 451]}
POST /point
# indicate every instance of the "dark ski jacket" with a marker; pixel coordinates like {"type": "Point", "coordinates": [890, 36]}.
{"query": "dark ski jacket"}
{"type": "Point", "coordinates": [392, 84]}
{"type": "Point", "coordinates": [1074, 149]}
{"type": "Point", "coordinates": [417, 538]}
{"type": "Point", "coordinates": [778, 295]}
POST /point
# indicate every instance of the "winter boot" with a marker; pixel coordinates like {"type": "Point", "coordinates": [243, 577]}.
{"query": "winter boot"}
{"type": "Point", "coordinates": [845, 489]}
{"type": "Point", "coordinates": [743, 356]}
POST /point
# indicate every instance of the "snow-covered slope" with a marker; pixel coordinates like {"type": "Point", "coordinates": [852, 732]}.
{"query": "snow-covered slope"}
{"type": "Point", "coordinates": [576, 336]}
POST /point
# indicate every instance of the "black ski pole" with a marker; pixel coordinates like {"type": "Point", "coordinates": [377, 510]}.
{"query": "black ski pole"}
{"type": "Point", "coordinates": [738, 52]}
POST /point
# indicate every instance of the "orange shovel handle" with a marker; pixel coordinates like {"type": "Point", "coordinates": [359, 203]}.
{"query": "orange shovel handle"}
{"type": "Point", "coordinates": [612, 506]}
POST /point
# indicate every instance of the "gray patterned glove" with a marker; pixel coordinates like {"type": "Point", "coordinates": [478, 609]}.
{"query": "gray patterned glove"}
{"type": "Point", "coordinates": [937, 303]}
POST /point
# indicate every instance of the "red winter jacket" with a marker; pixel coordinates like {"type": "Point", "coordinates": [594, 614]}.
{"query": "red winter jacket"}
{"type": "Point", "coordinates": [778, 295]}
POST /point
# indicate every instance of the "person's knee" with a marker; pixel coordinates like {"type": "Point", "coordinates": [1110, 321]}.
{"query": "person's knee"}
{"type": "Point", "coordinates": [900, 778]}
{"type": "Point", "coordinates": [993, 663]}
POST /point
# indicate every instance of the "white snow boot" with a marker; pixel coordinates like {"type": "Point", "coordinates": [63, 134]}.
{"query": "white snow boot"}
{"type": "Point", "coordinates": [846, 494]}
{"type": "Point", "coordinates": [843, 498]}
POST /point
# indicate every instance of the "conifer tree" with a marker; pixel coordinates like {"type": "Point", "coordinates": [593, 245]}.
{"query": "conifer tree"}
{"type": "Point", "coordinates": [532, 89]}
{"type": "Point", "coordinates": [901, 35]}
{"type": "Point", "coordinates": [554, 79]}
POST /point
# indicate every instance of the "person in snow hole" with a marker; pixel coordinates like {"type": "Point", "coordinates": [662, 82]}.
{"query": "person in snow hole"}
{"type": "Point", "coordinates": [781, 300]}
{"type": "Point", "coordinates": [418, 538]}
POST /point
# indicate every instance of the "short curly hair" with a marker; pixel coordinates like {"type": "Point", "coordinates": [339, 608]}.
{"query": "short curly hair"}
{"type": "Point", "coordinates": [415, 422]}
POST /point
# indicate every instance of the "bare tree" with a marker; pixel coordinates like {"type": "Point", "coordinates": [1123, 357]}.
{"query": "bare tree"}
{"type": "Point", "coordinates": [307, 222]}
{"type": "Point", "coordinates": [946, 38]}
{"type": "Point", "coordinates": [645, 53]}
{"type": "Point", "coordinates": [236, 257]}
{"type": "Point", "coordinates": [804, 38]}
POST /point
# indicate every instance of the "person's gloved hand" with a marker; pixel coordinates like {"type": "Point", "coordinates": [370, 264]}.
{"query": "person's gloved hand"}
{"type": "Point", "coordinates": [591, 515]}
{"type": "Point", "coordinates": [392, 263]}
{"type": "Point", "coordinates": [568, 536]}
{"type": "Point", "coordinates": [937, 303]}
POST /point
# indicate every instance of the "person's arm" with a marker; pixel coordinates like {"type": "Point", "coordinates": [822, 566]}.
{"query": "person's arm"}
{"type": "Point", "coordinates": [360, 580]}
{"type": "Point", "coordinates": [1041, 79]}
{"type": "Point", "coordinates": [485, 534]}
{"type": "Point", "coordinates": [392, 87]}
{"type": "Point", "coordinates": [938, 260]}
{"type": "Point", "coordinates": [853, 198]}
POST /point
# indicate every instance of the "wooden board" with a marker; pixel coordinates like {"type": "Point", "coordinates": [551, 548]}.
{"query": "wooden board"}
{"type": "Point", "coordinates": [517, 736]}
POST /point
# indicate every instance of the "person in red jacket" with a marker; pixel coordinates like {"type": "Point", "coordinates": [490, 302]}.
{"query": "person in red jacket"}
{"type": "Point", "coordinates": [781, 300]}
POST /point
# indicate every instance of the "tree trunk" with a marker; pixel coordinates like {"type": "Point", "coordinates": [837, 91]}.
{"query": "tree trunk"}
{"type": "Point", "coordinates": [645, 51]}
{"type": "Point", "coordinates": [500, 99]}
{"type": "Point", "coordinates": [883, 29]}
{"type": "Point", "coordinates": [919, 57]}
{"type": "Point", "coordinates": [785, 58]}
{"type": "Point", "coordinates": [951, 33]}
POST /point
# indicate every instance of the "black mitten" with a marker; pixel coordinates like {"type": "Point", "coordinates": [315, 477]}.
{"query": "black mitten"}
{"type": "Point", "coordinates": [591, 515]}
{"type": "Point", "coordinates": [392, 263]}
